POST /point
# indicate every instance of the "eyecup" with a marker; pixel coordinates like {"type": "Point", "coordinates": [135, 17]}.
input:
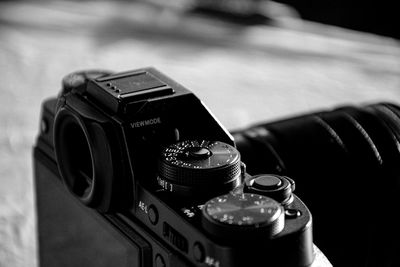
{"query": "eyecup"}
{"type": "Point", "coordinates": [84, 158]}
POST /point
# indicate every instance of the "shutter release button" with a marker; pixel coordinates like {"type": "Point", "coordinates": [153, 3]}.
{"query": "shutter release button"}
{"type": "Point", "coordinates": [267, 182]}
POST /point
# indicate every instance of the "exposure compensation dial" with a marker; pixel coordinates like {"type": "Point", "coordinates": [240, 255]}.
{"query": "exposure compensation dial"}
{"type": "Point", "coordinates": [238, 217]}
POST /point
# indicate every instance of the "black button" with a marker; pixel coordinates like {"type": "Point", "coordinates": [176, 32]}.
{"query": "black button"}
{"type": "Point", "coordinates": [292, 213]}
{"type": "Point", "coordinates": [153, 214]}
{"type": "Point", "coordinates": [267, 182]}
{"type": "Point", "coordinates": [159, 261]}
{"type": "Point", "coordinates": [198, 252]}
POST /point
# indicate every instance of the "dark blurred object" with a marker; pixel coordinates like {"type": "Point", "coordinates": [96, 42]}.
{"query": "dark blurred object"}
{"type": "Point", "coordinates": [240, 11]}
{"type": "Point", "coordinates": [379, 17]}
{"type": "Point", "coordinates": [346, 167]}
{"type": "Point", "coordinates": [368, 16]}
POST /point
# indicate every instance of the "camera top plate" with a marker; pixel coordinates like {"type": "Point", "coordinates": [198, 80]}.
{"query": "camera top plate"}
{"type": "Point", "coordinates": [117, 91]}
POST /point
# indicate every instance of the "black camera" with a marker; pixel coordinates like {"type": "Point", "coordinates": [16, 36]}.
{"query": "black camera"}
{"type": "Point", "coordinates": [153, 179]}
{"type": "Point", "coordinates": [132, 169]}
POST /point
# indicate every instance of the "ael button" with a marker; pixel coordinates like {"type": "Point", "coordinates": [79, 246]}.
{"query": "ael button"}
{"type": "Point", "coordinates": [153, 215]}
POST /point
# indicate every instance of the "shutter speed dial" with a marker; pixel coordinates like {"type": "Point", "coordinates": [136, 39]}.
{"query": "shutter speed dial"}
{"type": "Point", "coordinates": [199, 167]}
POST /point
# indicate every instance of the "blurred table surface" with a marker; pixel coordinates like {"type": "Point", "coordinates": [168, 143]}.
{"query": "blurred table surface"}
{"type": "Point", "coordinates": [245, 74]}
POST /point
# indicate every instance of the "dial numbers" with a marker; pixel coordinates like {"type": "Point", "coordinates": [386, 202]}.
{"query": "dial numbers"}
{"type": "Point", "coordinates": [220, 154]}
{"type": "Point", "coordinates": [243, 209]}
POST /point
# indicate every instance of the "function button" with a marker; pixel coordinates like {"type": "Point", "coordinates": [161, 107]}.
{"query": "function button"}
{"type": "Point", "coordinates": [153, 214]}
{"type": "Point", "coordinates": [292, 213]}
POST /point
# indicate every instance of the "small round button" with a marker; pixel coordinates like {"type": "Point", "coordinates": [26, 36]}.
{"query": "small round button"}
{"type": "Point", "coordinates": [159, 261]}
{"type": "Point", "coordinates": [198, 252]}
{"type": "Point", "coordinates": [153, 214]}
{"type": "Point", "coordinates": [292, 213]}
{"type": "Point", "coordinates": [267, 182]}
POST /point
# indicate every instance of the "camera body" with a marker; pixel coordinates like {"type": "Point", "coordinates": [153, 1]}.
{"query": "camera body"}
{"type": "Point", "coordinates": [133, 169]}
